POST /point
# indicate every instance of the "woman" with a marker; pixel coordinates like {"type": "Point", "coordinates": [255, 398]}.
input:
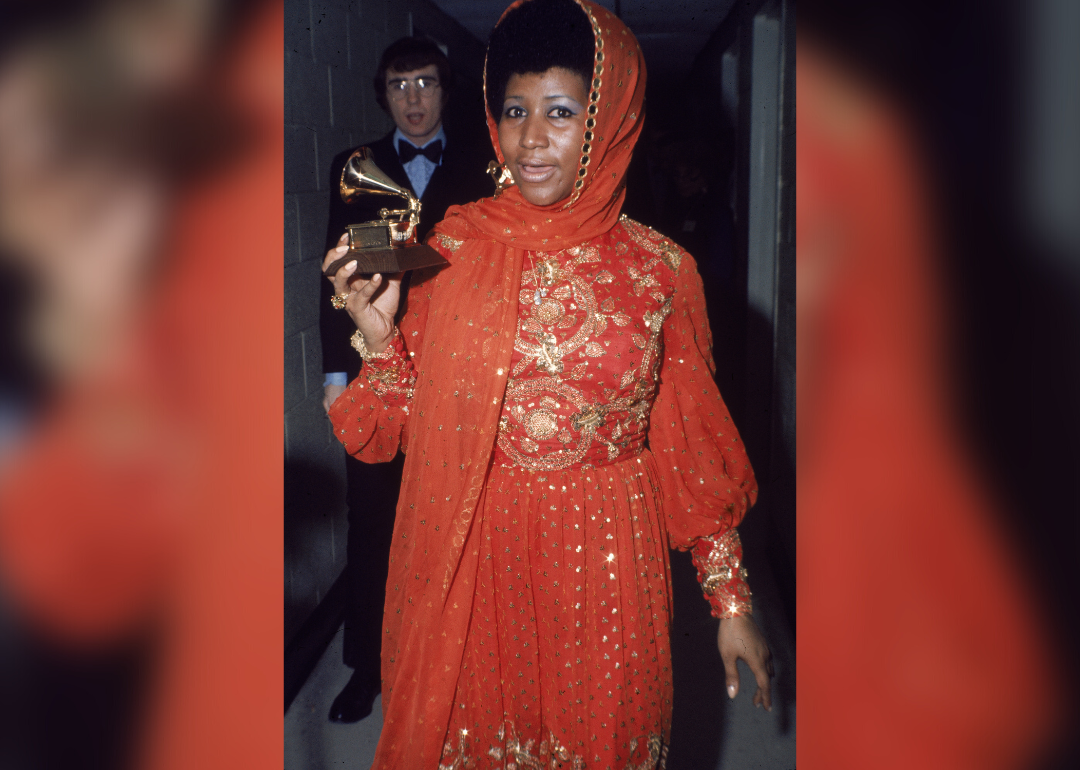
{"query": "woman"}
{"type": "Point", "coordinates": [527, 611]}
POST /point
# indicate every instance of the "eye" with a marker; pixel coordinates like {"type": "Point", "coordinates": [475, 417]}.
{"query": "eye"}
{"type": "Point", "coordinates": [561, 112]}
{"type": "Point", "coordinates": [513, 111]}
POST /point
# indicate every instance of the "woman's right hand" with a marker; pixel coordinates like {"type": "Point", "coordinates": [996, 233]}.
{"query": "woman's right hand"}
{"type": "Point", "coordinates": [372, 304]}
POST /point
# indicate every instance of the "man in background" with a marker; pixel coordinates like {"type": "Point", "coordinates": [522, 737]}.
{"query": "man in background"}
{"type": "Point", "coordinates": [413, 84]}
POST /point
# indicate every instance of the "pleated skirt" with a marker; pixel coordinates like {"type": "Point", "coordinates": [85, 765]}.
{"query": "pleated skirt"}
{"type": "Point", "coordinates": [567, 659]}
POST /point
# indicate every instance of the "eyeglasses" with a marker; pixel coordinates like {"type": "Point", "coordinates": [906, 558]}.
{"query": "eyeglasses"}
{"type": "Point", "coordinates": [424, 86]}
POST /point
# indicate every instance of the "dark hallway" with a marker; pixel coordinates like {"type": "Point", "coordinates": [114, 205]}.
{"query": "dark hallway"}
{"type": "Point", "coordinates": [713, 171]}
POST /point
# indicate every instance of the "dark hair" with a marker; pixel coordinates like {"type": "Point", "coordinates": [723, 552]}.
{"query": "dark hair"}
{"type": "Point", "coordinates": [412, 53]}
{"type": "Point", "coordinates": [533, 38]}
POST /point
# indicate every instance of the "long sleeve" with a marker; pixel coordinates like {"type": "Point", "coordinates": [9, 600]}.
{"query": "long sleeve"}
{"type": "Point", "coordinates": [706, 476]}
{"type": "Point", "coordinates": [371, 417]}
{"type": "Point", "coordinates": [718, 559]}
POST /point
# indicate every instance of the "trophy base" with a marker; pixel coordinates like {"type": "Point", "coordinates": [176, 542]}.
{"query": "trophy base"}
{"type": "Point", "coordinates": [387, 261]}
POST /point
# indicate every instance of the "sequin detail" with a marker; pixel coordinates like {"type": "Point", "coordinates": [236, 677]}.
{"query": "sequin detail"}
{"type": "Point", "coordinates": [391, 379]}
{"type": "Point", "coordinates": [568, 634]}
{"type": "Point", "coordinates": [561, 408]}
{"type": "Point", "coordinates": [723, 578]}
{"type": "Point", "coordinates": [567, 637]}
{"type": "Point", "coordinates": [514, 753]}
{"type": "Point", "coordinates": [448, 243]}
{"type": "Point", "coordinates": [653, 242]}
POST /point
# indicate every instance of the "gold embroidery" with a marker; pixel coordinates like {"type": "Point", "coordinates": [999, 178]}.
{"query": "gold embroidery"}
{"type": "Point", "coordinates": [460, 761]}
{"type": "Point", "coordinates": [391, 377]}
{"type": "Point", "coordinates": [642, 281]}
{"type": "Point", "coordinates": [516, 751]}
{"type": "Point", "coordinates": [592, 109]}
{"type": "Point", "coordinates": [518, 754]}
{"type": "Point", "coordinates": [653, 242]}
{"type": "Point", "coordinates": [540, 424]}
{"type": "Point", "coordinates": [657, 754]}
{"type": "Point", "coordinates": [448, 243]}
{"type": "Point", "coordinates": [723, 576]}
{"type": "Point", "coordinates": [546, 373]}
{"type": "Point", "coordinates": [549, 311]}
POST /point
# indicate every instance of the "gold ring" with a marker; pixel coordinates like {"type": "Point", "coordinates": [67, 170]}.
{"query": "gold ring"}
{"type": "Point", "coordinates": [339, 300]}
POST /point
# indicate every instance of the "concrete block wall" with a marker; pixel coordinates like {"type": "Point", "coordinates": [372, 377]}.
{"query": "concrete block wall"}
{"type": "Point", "coordinates": [332, 48]}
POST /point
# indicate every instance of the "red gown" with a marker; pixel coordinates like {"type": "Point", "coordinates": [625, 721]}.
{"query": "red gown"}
{"type": "Point", "coordinates": [566, 654]}
{"type": "Point", "coordinates": [553, 453]}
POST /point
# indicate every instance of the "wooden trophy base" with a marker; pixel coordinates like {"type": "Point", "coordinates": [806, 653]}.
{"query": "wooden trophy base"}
{"type": "Point", "coordinates": [387, 261]}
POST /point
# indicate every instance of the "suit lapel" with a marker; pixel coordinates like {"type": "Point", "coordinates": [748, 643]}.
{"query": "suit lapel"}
{"type": "Point", "coordinates": [386, 158]}
{"type": "Point", "coordinates": [434, 184]}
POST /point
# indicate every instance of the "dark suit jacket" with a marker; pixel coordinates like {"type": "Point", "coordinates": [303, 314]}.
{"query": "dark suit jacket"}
{"type": "Point", "coordinates": [460, 178]}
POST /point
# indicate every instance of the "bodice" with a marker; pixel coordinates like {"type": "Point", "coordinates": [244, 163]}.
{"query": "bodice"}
{"type": "Point", "coordinates": [587, 354]}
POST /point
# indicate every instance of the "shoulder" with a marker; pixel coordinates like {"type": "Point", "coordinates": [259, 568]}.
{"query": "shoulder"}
{"type": "Point", "coordinates": [652, 242]}
{"type": "Point", "coordinates": [386, 143]}
{"type": "Point", "coordinates": [339, 160]}
{"type": "Point", "coordinates": [466, 154]}
{"type": "Point", "coordinates": [380, 147]}
{"type": "Point", "coordinates": [383, 149]}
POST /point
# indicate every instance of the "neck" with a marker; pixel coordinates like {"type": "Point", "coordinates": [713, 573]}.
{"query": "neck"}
{"type": "Point", "coordinates": [420, 141]}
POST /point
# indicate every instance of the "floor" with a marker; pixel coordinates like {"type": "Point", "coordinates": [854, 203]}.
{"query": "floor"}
{"type": "Point", "coordinates": [709, 731]}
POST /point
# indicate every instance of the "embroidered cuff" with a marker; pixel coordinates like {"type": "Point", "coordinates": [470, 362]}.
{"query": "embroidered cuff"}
{"type": "Point", "coordinates": [391, 375]}
{"type": "Point", "coordinates": [718, 559]}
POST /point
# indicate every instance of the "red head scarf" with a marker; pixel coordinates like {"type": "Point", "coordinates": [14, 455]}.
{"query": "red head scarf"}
{"type": "Point", "coordinates": [459, 326]}
{"type": "Point", "coordinates": [615, 116]}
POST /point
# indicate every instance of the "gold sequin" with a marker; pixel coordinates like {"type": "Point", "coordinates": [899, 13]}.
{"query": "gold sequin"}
{"type": "Point", "coordinates": [574, 427]}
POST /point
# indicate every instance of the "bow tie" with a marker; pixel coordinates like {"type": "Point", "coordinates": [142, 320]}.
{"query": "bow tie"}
{"type": "Point", "coordinates": [406, 151]}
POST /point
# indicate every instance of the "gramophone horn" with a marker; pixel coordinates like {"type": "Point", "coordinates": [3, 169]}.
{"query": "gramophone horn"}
{"type": "Point", "coordinates": [362, 177]}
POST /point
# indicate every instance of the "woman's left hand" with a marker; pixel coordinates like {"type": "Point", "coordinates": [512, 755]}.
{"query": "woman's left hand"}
{"type": "Point", "coordinates": [739, 637]}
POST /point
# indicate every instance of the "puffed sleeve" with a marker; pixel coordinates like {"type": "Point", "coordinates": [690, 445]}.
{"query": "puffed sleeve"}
{"type": "Point", "coordinates": [371, 416]}
{"type": "Point", "coordinates": [706, 478]}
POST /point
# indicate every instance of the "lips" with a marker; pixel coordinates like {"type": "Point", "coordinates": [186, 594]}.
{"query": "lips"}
{"type": "Point", "coordinates": [535, 171]}
{"type": "Point", "coordinates": [414, 118]}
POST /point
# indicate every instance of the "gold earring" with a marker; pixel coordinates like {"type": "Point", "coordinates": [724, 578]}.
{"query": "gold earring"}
{"type": "Point", "coordinates": [500, 175]}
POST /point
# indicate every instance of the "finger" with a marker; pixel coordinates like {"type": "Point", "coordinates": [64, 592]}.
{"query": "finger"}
{"type": "Point", "coordinates": [341, 279]}
{"type": "Point", "coordinates": [731, 675]}
{"type": "Point", "coordinates": [365, 292]}
{"type": "Point", "coordinates": [337, 252]}
{"type": "Point", "coordinates": [764, 683]}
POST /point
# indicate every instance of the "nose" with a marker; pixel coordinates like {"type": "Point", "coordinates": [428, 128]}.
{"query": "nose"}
{"type": "Point", "coordinates": [412, 93]}
{"type": "Point", "coordinates": [533, 132]}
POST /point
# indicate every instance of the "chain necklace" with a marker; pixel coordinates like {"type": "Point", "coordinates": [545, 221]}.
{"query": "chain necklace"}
{"type": "Point", "coordinates": [541, 290]}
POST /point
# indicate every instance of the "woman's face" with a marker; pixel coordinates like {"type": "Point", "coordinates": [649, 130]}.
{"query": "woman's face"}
{"type": "Point", "coordinates": [541, 130]}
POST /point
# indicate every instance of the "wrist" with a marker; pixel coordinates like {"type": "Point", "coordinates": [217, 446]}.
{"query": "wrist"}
{"type": "Point", "coordinates": [718, 559]}
{"type": "Point", "coordinates": [735, 609]}
{"type": "Point", "coordinates": [379, 350]}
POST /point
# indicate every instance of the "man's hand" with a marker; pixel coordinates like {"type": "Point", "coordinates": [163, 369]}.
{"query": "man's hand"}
{"type": "Point", "coordinates": [330, 395]}
{"type": "Point", "coordinates": [739, 637]}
